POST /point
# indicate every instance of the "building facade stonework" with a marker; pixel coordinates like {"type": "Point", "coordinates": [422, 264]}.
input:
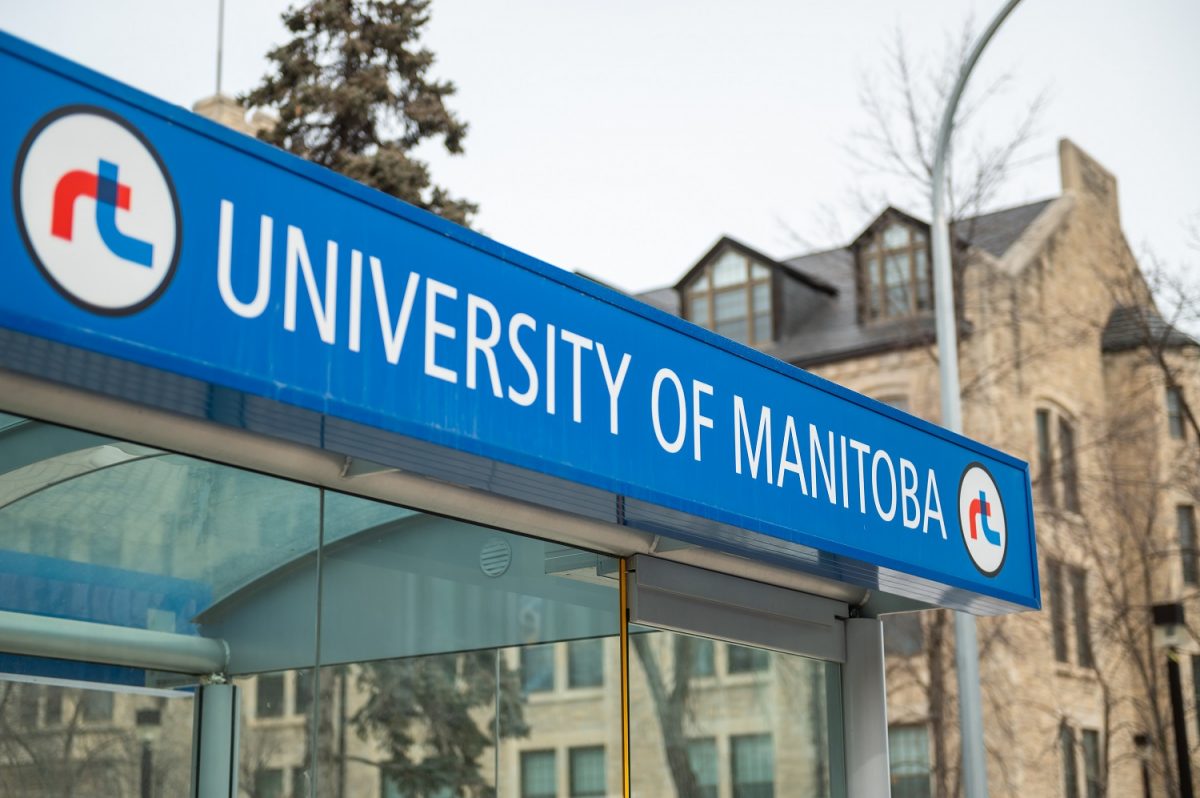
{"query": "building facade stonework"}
{"type": "Point", "coordinates": [1068, 363]}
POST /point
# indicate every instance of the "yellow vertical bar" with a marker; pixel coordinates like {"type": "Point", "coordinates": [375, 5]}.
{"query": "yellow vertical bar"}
{"type": "Point", "coordinates": [624, 590]}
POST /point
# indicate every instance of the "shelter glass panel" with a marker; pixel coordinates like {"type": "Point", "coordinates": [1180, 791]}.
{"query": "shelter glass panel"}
{"type": "Point", "coordinates": [758, 730]}
{"type": "Point", "coordinates": [63, 740]}
{"type": "Point", "coordinates": [463, 659]}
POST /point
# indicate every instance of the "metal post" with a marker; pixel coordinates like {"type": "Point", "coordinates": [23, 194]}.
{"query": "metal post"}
{"type": "Point", "coordinates": [966, 646]}
{"type": "Point", "coordinates": [86, 641]}
{"type": "Point", "coordinates": [220, 41]}
{"type": "Point", "coordinates": [864, 709]}
{"type": "Point", "coordinates": [215, 740]}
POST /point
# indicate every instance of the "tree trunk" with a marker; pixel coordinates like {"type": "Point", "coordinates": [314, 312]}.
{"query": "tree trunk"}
{"type": "Point", "coordinates": [670, 706]}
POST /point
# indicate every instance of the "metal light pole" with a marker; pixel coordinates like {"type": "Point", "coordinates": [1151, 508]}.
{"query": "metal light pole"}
{"type": "Point", "coordinates": [220, 42]}
{"type": "Point", "coordinates": [970, 710]}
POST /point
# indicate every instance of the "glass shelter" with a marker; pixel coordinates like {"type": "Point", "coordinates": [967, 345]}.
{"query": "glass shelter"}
{"type": "Point", "coordinates": [373, 649]}
{"type": "Point", "coordinates": [306, 492]}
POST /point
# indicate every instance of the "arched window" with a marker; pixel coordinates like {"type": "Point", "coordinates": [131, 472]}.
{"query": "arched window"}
{"type": "Point", "coordinates": [894, 273]}
{"type": "Point", "coordinates": [732, 297]}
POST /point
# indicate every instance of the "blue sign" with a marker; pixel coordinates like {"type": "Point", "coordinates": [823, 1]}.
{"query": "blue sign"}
{"type": "Point", "coordinates": [141, 231]}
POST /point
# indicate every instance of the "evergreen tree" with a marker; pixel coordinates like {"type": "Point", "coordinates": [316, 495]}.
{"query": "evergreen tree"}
{"type": "Point", "coordinates": [353, 93]}
{"type": "Point", "coordinates": [445, 707]}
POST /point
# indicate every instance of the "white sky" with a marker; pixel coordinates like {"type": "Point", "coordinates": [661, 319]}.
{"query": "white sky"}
{"type": "Point", "coordinates": [621, 138]}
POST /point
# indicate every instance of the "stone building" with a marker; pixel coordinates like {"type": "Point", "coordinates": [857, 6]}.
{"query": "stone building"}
{"type": "Point", "coordinates": [1068, 363]}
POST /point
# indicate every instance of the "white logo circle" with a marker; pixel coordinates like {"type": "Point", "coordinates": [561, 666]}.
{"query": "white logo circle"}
{"type": "Point", "coordinates": [981, 519]}
{"type": "Point", "coordinates": [97, 210]}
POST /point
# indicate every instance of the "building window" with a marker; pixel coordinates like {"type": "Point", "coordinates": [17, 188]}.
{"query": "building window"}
{"type": "Point", "coordinates": [753, 766]}
{"type": "Point", "coordinates": [299, 783]}
{"type": "Point", "coordinates": [268, 783]}
{"type": "Point", "coordinates": [1056, 596]}
{"type": "Point", "coordinates": [903, 635]}
{"type": "Point", "coordinates": [390, 789]}
{"type": "Point", "coordinates": [908, 752]}
{"type": "Point", "coordinates": [1185, 524]}
{"type": "Point", "coordinates": [538, 779]}
{"type": "Point", "coordinates": [96, 706]}
{"type": "Point", "coordinates": [587, 772]}
{"type": "Point", "coordinates": [268, 701]}
{"type": "Point", "coordinates": [302, 691]}
{"type": "Point", "coordinates": [1083, 627]}
{"type": "Point", "coordinates": [1175, 413]}
{"type": "Point", "coordinates": [1069, 583]}
{"type": "Point", "coordinates": [1070, 477]}
{"type": "Point", "coordinates": [732, 297]}
{"type": "Point", "coordinates": [52, 707]}
{"type": "Point", "coordinates": [1090, 740]}
{"type": "Point", "coordinates": [741, 659]}
{"type": "Point", "coordinates": [702, 758]}
{"type": "Point", "coordinates": [585, 663]}
{"type": "Point", "coordinates": [702, 653]}
{"type": "Point", "coordinates": [895, 274]}
{"type": "Point", "coordinates": [1058, 472]}
{"type": "Point", "coordinates": [1066, 742]}
{"type": "Point", "coordinates": [1045, 458]}
{"type": "Point", "coordinates": [1196, 688]}
{"type": "Point", "coordinates": [27, 707]}
{"type": "Point", "coordinates": [537, 669]}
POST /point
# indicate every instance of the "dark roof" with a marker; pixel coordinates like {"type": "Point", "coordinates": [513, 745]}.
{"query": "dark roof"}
{"type": "Point", "coordinates": [995, 232]}
{"type": "Point", "coordinates": [830, 330]}
{"type": "Point", "coordinates": [1132, 326]}
{"type": "Point", "coordinates": [725, 242]}
{"type": "Point", "coordinates": [820, 318]}
{"type": "Point", "coordinates": [662, 298]}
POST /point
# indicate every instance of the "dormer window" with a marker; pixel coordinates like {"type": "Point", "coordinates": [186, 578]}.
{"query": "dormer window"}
{"type": "Point", "coordinates": [732, 297]}
{"type": "Point", "coordinates": [894, 270]}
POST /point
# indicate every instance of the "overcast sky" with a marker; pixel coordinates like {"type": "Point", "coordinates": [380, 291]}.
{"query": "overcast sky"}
{"type": "Point", "coordinates": [623, 137]}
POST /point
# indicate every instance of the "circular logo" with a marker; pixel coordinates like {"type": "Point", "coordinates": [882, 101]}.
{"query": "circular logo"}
{"type": "Point", "coordinates": [981, 519]}
{"type": "Point", "coordinates": [97, 210]}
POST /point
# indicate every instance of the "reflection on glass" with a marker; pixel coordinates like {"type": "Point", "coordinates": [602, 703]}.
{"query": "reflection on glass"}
{"type": "Point", "coordinates": [753, 726]}
{"type": "Point", "coordinates": [116, 533]}
{"type": "Point", "coordinates": [730, 269]}
{"type": "Point", "coordinates": [449, 670]}
{"type": "Point", "coordinates": [538, 776]}
{"type": "Point", "coordinates": [702, 758]}
{"type": "Point", "coordinates": [741, 659]}
{"type": "Point", "coordinates": [703, 658]}
{"type": "Point", "coordinates": [585, 663]}
{"type": "Point", "coordinates": [64, 741]}
{"type": "Point", "coordinates": [737, 330]}
{"type": "Point", "coordinates": [908, 750]}
{"type": "Point", "coordinates": [537, 669]}
{"type": "Point", "coordinates": [895, 236]}
{"type": "Point", "coordinates": [730, 305]}
{"type": "Point", "coordinates": [276, 756]}
{"type": "Point", "coordinates": [752, 760]}
{"type": "Point", "coordinates": [587, 775]}
{"type": "Point", "coordinates": [762, 297]}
